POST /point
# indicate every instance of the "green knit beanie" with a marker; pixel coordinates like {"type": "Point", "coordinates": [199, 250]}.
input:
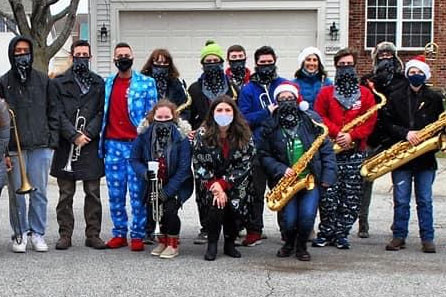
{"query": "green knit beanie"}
{"type": "Point", "coordinates": [212, 48]}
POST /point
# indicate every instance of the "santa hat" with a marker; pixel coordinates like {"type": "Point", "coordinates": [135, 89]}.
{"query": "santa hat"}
{"type": "Point", "coordinates": [309, 51]}
{"type": "Point", "coordinates": [420, 63]}
{"type": "Point", "coordinates": [385, 46]}
{"type": "Point", "coordinates": [294, 89]}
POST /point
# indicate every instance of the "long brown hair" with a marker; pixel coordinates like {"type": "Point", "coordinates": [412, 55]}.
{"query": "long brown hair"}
{"type": "Point", "coordinates": [239, 133]}
{"type": "Point", "coordinates": [147, 68]}
{"type": "Point", "coordinates": [163, 103]}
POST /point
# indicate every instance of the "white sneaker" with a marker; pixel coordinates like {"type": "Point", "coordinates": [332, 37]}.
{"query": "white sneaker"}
{"type": "Point", "coordinates": [20, 248]}
{"type": "Point", "coordinates": [38, 243]}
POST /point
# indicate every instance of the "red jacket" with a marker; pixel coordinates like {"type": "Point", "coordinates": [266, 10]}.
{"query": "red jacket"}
{"type": "Point", "coordinates": [335, 116]}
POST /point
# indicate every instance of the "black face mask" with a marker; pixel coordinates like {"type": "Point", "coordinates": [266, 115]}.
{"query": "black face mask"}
{"type": "Point", "coordinates": [214, 82]}
{"type": "Point", "coordinates": [81, 65]}
{"type": "Point", "coordinates": [384, 71]}
{"type": "Point", "coordinates": [347, 86]}
{"type": "Point", "coordinates": [213, 69]}
{"type": "Point", "coordinates": [238, 69]}
{"type": "Point", "coordinates": [124, 64]}
{"type": "Point", "coordinates": [23, 65]}
{"type": "Point", "coordinates": [160, 71]}
{"type": "Point", "coordinates": [266, 73]}
{"type": "Point", "coordinates": [161, 75]}
{"type": "Point", "coordinates": [288, 114]}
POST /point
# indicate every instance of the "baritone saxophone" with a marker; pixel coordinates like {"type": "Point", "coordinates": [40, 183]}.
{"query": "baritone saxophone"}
{"type": "Point", "coordinates": [432, 137]}
{"type": "Point", "coordinates": [287, 187]}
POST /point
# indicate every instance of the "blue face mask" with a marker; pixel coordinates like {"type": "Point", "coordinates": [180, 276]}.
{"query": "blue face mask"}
{"type": "Point", "coordinates": [416, 80]}
{"type": "Point", "coordinates": [223, 120]}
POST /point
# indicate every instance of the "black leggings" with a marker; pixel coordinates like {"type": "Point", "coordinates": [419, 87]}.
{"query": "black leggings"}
{"type": "Point", "coordinates": [170, 222]}
{"type": "Point", "coordinates": [221, 217]}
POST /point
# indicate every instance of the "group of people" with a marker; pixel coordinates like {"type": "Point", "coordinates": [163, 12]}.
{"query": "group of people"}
{"type": "Point", "coordinates": [228, 136]}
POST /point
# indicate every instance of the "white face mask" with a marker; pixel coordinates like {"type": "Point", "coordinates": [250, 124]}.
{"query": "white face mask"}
{"type": "Point", "coordinates": [223, 120]}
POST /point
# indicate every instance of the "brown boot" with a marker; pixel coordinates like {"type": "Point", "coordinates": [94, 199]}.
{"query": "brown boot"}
{"type": "Point", "coordinates": [172, 250]}
{"type": "Point", "coordinates": [396, 244]}
{"type": "Point", "coordinates": [428, 247]}
{"type": "Point", "coordinates": [96, 243]}
{"type": "Point", "coordinates": [162, 244]}
{"type": "Point", "coordinates": [63, 243]}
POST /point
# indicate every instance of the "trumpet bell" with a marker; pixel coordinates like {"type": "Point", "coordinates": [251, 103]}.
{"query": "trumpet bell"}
{"type": "Point", "coordinates": [25, 188]}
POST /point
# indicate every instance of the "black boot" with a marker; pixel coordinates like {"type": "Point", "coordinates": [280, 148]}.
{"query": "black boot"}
{"type": "Point", "coordinates": [287, 249]}
{"type": "Point", "coordinates": [230, 250]}
{"type": "Point", "coordinates": [211, 252]}
{"type": "Point", "coordinates": [301, 250]}
{"type": "Point", "coordinates": [363, 230]}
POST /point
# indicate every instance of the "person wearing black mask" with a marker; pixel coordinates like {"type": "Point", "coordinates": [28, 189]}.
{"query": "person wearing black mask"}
{"type": "Point", "coordinates": [410, 110]}
{"type": "Point", "coordinates": [257, 104]}
{"type": "Point", "coordinates": [29, 94]}
{"type": "Point", "coordinates": [285, 138]}
{"type": "Point", "coordinates": [338, 105]}
{"type": "Point", "coordinates": [80, 93]}
{"type": "Point", "coordinates": [165, 141]}
{"type": "Point", "coordinates": [129, 96]}
{"type": "Point", "coordinates": [237, 71]}
{"type": "Point", "coordinates": [212, 83]}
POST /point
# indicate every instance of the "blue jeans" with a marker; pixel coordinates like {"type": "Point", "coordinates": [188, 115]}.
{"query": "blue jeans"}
{"type": "Point", "coordinates": [37, 164]}
{"type": "Point", "coordinates": [120, 175]}
{"type": "Point", "coordinates": [402, 190]}
{"type": "Point", "coordinates": [300, 212]}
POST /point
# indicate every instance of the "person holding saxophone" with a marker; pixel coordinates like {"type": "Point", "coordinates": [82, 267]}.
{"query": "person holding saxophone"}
{"type": "Point", "coordinates": [80, 93]}
{"type": "Point", "coordinates": [165, 141]}
{"type": "Point", "coordinates": [285, 139]}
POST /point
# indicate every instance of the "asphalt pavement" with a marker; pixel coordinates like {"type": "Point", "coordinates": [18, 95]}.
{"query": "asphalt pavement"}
{"type": "Point", "coordinates": [364, 270]}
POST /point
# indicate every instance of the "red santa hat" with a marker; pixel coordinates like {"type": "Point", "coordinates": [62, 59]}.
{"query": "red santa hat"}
{"type": "Point", "coordinates": [288, 86]}
{"type": "Point", "coordinates": [420, 63]}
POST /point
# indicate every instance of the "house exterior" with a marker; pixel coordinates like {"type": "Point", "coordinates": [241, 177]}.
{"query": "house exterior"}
{"type": "Point", "coordinates": [183, 27]}
{"type": "Point", "coordinates": [410, 24]}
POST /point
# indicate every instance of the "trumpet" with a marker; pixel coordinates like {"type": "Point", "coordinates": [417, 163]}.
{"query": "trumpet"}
{"type": "Point", "coordinates": [155, 186]}
{"type": "Point", "coordinates": [265, 99]}
{"type": "Point", "coordinates": [75, 152]}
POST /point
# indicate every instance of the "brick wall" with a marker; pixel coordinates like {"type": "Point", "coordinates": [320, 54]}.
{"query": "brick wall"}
{"type": "Point", "coordinates": [357, 38]}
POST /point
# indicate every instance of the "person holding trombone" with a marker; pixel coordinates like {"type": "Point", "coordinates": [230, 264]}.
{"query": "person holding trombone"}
{"type": "Point", "coordinates": [80, 94]}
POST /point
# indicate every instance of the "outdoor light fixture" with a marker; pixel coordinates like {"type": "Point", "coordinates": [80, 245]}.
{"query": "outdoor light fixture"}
{"type": "Point", "coordinates": [334, 31]}
{"type": "Point", "coordinates": [103, 33]}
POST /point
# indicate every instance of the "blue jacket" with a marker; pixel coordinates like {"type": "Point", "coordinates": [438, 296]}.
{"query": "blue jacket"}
{"type": "Point", "coordinates": [250, 107]}
{"type": "Point", "coordinates": [272, 150]}
{"type": "Point", "coordinates": [180, 182]}
{"type": "Point", "coordinates": [142, 96]}
{"type": "Point", "coordinates": [309, 87]}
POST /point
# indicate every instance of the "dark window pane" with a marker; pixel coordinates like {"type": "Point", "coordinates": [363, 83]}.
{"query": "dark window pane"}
{"type": "Point", "coordinates": [407, 2]}
{"type": "Point", "coordinates": [425, 39]}
{"type": "Point", "coordinates": [371, 2]}
{"type": "Point", "coordinates": [427, 13]}
{"type": "Point", "coordinates": [427, 3]}
{"type": "Point", "coordinates": [417, 2]}
{"type": "Point", "coordinates": [391, 2]}
{"type": "Point", "coordinates": [382, 13]}
{"type": "Point", "coordinates": [407, 13]}
{"type": "Point", "coordinates": [416, 28]}
{"type": "Point", "coordinates": [382, 2]}
{"type": "Point", "coordinates": [417, 13]}
{"type": "Point", "coordinates": [381, 28]}
{"type": "Point", "coordinates": [392, 13]}
{"type": "Point", "coordinates": [371, 13]}
{"type": "Point", "coordinates": [416, 34]}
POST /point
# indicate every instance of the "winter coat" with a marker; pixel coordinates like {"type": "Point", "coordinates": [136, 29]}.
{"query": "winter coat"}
{"type": "Point", "coordinates": [310, 86]}
{"type": "Point", "coordinates": [201, 103]}
{"type": "Point", "coordinates": [210, 164]}
{"type": "Point", "coordinates": [91, 106]}
{"type": "Point", "coordinates": [141, 98]}
{"type": "Point", "coordinates": [34, 106]}
{"type": "Point", "coordinates": [335, 116]}
{"type": "Point", "coordinates": [272, 150]}
{"type": "Point", "coordinates": [4, 139]}
{"type": "Point", "coordinates": [180, 179]}
{"type": "Point", "coordinates": [408, 111]}
{"type": "Point", "coordinates": [250, 107]}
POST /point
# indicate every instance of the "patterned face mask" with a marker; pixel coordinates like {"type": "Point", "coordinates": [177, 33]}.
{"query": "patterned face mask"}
{"type": "Point", "coordinates": [385, 71]}
{"type": "Point", "coordinates": [81, 72]}
{"type": "Point", "coordinates": [23, 65]}
{"type": "Point", "coordinates": [161, 135]}
{"type": "Point", "coordinates": [161, 75]}
{"type": "Point", "coordinates": [288, 114]}
{"type": "Point", "coordinates": [346, 86]}
{"type": "Point", "coordinates": [266, 73]}
{"type": "Point", "coordinates": [214, 82]}
{"type": "Point", "coordinates": [238, 69]}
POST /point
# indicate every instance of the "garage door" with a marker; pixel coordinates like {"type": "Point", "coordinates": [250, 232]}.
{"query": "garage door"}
{"type": "Point", "coordinates": [185, 33]}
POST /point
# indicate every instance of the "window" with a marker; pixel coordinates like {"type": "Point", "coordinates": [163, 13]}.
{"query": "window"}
{"type": "Point", "coordinates": [407, 23]}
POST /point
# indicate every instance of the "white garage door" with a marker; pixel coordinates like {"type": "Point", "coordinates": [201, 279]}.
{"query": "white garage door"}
{"type": "Point", "coordinates": [185, 33]}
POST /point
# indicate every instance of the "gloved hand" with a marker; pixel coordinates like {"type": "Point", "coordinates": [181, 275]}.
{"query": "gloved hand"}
{"type": "Point", "coordinates": [162, 196]}
{"type": "Point", "coordinates": [150, 174]}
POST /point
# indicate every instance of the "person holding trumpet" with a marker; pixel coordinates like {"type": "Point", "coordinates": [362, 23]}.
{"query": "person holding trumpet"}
{"type": "Point", "coordinates": [165, 141]}
{"type": "Point", "coordinates": [80, 94]}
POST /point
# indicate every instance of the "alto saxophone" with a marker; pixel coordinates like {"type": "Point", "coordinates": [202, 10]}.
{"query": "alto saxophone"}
{"type": "Point", "coordinates": [402, 152]}
{"type": "Point", "coordinates": [188, 102]}
{"type": "Point", "coordinates": [361, 119]}
{"type": "Point", "coordinates": [287, 187]}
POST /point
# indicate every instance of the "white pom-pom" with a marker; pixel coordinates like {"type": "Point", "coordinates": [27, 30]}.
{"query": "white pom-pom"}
{"type": "Point", "coordinates": [303, 105]}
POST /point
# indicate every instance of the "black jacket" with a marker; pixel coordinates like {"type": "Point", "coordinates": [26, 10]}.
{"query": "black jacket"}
{"type": "Point", "coordinates": [33, 104]}
{"type": "Point", "coordinates": [408, 111]}
{"type": "Point", "coordinates": [201, 103]}
{"type": "Point", "coordinates": [91, 106]}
